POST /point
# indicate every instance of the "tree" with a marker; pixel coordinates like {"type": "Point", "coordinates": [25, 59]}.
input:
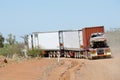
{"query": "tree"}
{"type": "Point", "coordinates": [11, 39]}
{"type": "Point", "coordinates": [1, 41]}
{"type": "Point", "coordinates": [25, 38]}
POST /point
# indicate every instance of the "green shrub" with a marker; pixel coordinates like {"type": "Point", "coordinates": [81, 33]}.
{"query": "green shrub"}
{"type": "Point", "coordinates": [34, 52]}
{"type": "Point", "coordinates": [10, 50]}
{"type": "Point", "coordinates": [3, 51]}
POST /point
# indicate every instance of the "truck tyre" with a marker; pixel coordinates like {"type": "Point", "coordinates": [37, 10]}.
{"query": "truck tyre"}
{"type": "Point", "coordinates": [89, 56]}
{"type": "Point", "coordinates": [75, 55]}
{"type": "Point", "coordinates": [65, 54]}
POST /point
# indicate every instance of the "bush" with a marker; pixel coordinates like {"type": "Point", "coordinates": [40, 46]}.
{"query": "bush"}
{"type": "Point", "coordinates": [3, 51]}
{"type": "Point", "coordinates": [10, 50]}
{"type": "Point", "coordinates": [34, 52]}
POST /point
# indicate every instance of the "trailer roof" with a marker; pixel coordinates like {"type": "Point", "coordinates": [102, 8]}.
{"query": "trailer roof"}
{"type": "Point", "coordinates": [66, 30]}
{"type": "Point", "coordinates": [57, 31]}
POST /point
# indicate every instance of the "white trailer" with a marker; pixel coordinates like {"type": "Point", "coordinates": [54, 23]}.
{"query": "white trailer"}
{"type": "Point", "coordinates": [47, 41]}
{"type": "Point", "coordinates": [72, 42]}
{"type": "Point", "coordinates": [72, 39]}
{"type": "Point", "coordinates": [65, 41]}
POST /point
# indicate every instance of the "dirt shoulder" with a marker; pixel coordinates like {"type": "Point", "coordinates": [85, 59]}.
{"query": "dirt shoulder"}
{"type": "Point", "coordinates": [25, 70]}
{"type": "Point", "coordinates": [40, 69]}
{"type": "Point", "coordinates": [66, 69]}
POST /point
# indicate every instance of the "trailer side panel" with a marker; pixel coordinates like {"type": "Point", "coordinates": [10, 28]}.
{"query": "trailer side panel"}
{"type": "Point", "coordinates": [49, 41]}
{"type": "Point", "coordinates": [72, 40]}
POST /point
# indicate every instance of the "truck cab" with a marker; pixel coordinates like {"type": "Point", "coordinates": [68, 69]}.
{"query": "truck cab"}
{"type": "Point", "coordinates": [98, 46]}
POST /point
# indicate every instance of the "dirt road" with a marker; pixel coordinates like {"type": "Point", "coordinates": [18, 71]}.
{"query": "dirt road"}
{"type": "Point", "coordinates": [102, 69]}
{"type": "Point", "coordinates": [66, 69]}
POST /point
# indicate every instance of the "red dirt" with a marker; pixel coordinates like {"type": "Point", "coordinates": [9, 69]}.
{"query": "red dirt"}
{"type": "Point", "coordinates": [66, 69]}
{"type": "Point", "coordinates": [26, 70]}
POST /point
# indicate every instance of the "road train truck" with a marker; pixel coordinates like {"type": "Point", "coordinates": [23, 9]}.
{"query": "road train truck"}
{"type": "Point", "coordinates": [88, 42]}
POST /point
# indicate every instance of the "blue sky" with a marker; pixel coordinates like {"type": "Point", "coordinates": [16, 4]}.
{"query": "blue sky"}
{"type": "Point", "coordinates": [21, 17]}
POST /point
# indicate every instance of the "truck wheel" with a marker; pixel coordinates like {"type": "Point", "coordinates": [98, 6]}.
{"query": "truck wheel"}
{"type": "Point", "coordinates": [76, 55]}
{"type": "Point", "coordinates": [64, 55]}
{"type": "Point", "coordinates": [89, 56]}
{"type": "Point", "coordinates": [79, 54]}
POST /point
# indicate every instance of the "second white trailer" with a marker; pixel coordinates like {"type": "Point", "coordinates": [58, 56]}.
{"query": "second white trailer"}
{"type": "Point", "coordinates": [65, 41]}
{"type": "Point", "coordinates": [72, 39]}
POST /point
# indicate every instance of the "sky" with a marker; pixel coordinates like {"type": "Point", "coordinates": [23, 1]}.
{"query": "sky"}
{"type": "Point", "coordinates": [21, 17]}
